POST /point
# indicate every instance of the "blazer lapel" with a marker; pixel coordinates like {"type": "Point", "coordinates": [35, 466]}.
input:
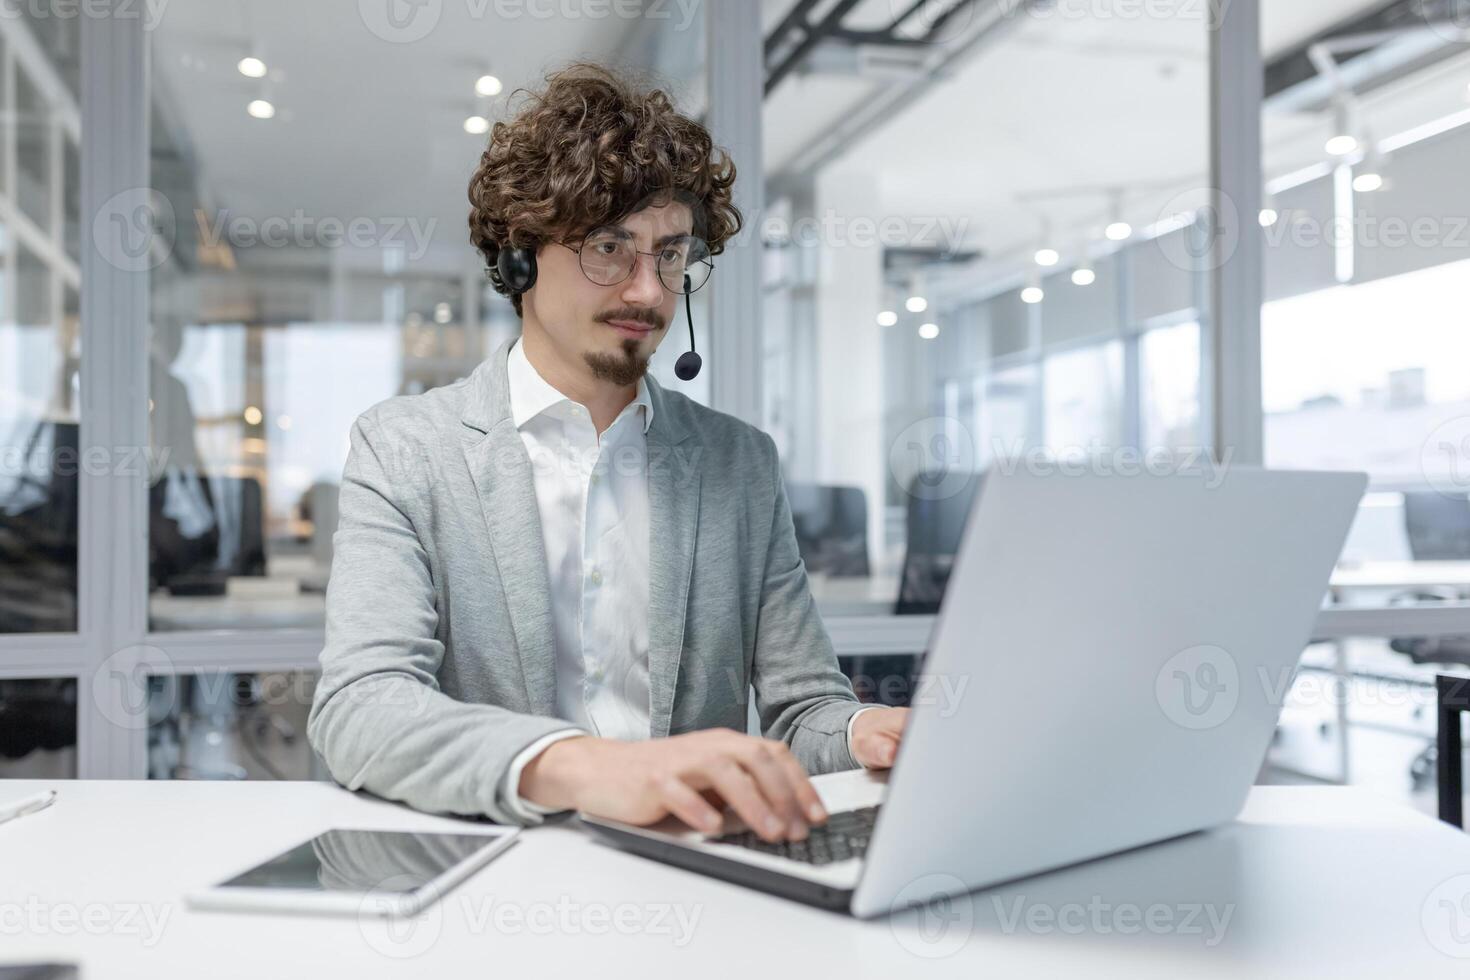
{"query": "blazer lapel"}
{"type": "Point", "coordinates": [673, 501]}
{"type": "Point", "coordinates": [501, 471]}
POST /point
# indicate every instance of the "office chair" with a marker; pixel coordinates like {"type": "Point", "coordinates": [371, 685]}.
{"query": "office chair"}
{"type": "Point", "coordinates": [1453, 698]}
{"type": "Point", "coordinates": [831, 528]}
{"type": "Point", "coordinates": [38, 713]}
{"type": "Point", "coordinates": [204, 529]}
{"type": "Point", "coordinates": [933, 529]}
{"type": "Point", "coordinates": [38, 535]}
{"type": "Point", "coordinates": [1438, 529]}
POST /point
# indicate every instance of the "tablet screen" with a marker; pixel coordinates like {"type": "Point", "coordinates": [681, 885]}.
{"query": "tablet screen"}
{"type": "Point", "coordinates": [364, 861]}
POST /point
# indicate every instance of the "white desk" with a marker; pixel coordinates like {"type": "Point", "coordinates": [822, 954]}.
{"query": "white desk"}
{"type": "Point", "coordinates": [1325, 882]}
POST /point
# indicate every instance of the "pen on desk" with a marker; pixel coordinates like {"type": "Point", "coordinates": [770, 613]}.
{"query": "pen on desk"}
{"type": "Point", "coordinates": [30, 804]}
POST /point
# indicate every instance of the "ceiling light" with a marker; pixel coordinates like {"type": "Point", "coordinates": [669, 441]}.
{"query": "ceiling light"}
{"type": "Point", "coordinates": [260, 109]}
{"type": "Point", "coordinates": [887, 318]}
{"type": "Point", "coordinates": [1119, 231]}
{"type": "Point", "coordinates": [488, 86]}
{"type": "Point", "coordinates": [476, 125]}
{"type": "Point", "coordinates": [1047, 257]}
{"type": "Point", "coordinates": [928, 330]}
{"type": "Point", "coordinates": [251, 67]}
{"type": "Point", "coordinates": [252, 415]}
{"type": "Point", "coordinates": [1269, 216]}
{"type": "Point", "coordinates": [1033, 295]}
{"type": "Point", "coordinates": [1342, 142]}
{"type": "Point", "coordinates": [283, 422]}
{"type": "Point", "coordinates": [916, 304]}
{"type": "Point", "coordinates": [1367, 183]}
{"type": "Point", "coordinates": [1083, 276]}
{"type": "Point", "coordinates": [442, 313]}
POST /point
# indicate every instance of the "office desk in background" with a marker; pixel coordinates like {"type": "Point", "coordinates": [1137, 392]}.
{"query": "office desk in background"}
{"type": "Point", "coordinates": [1320, 882]}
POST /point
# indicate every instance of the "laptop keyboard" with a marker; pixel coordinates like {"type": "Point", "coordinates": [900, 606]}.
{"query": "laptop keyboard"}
{"type": "Point", "coordinates": [844, 835]}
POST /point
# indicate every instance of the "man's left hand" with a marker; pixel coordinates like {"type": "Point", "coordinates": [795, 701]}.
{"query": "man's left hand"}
{"type": "Point", "coordinates": [875, 736]}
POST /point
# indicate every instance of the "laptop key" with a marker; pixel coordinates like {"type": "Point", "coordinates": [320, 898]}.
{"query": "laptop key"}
{"type": "Point", "coordinates": [844, 835]}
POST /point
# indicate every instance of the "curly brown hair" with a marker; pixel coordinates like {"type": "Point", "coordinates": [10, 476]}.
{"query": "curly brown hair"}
{"type": "Point", "coordinates": [589, 149]}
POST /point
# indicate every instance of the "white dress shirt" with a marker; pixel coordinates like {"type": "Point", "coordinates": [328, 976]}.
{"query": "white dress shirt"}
{"type": "Point", "coordinates": [592, 497]}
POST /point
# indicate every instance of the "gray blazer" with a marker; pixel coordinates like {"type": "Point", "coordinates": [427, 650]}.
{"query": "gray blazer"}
{"type": "Point", "coordinates": [438, 667]}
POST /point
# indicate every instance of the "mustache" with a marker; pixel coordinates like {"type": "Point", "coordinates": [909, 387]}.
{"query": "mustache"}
{"type": "Point", "coordinates": [635, 314]}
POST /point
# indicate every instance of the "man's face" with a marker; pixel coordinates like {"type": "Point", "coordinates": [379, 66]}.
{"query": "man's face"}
{"type": "Point", "coordinates": [612, 330]}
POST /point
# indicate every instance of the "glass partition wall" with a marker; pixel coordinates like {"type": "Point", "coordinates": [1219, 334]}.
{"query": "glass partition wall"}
{"type": "Point", "coordinates": [965, 258]}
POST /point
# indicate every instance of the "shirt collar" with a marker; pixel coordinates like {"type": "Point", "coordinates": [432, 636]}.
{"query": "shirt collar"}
{"type": "Point", "coordinates": [531, 394]}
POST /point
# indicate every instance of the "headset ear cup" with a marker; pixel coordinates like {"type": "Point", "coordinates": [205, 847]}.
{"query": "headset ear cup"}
{"type": "Point", "coordinates": [516, 268]}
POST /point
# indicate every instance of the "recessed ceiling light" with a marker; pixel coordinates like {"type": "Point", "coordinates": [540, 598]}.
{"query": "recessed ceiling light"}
{"type": "Point", "coordinates": [1367, 183]}
{"type": "Point", "coordinates": [916, 304]}
{"type": "Point", "coordinates": [1047, 257]}
{"type": "Point", "coordinates": [251, 67]}
{"type": "Point", "coordinates": [887, 318]}
{"type": "Point", "coordinates": [261, 109]}
{"type": "Point", "coordinates": [1269, 216]}
{"type": "Point", "coordinates": [1033, 295]}
{"type": "Point", "coordinates": [1342, 144]}
{"type": "Point", "coordinates": [1083, 276]}
{"type": "Point", "coordinates": [476, 125]}
{"type": "Point", "coordinates": [928, 330]}
{"type": "Point", "coordinates": [488, 86]}
{"type": "Point", "coordinates": [1119, 231]}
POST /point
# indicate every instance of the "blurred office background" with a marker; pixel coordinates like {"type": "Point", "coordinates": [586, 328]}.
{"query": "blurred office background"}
{"type": "Point", "coordinates": [984, 239]}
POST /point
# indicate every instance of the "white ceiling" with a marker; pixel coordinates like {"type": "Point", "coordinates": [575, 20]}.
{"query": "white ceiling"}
{"type": "Point", "coordinates": [1060, 103]}
{"type": "Point", "coordinates": [364, 126]}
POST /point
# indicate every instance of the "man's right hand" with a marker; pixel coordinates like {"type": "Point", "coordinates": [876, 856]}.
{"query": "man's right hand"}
{"type": "Point", "coordinates": [643, 782]}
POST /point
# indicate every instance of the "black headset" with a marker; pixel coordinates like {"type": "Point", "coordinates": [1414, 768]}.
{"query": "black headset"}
{"type": "Point", "coordinates": [514, 272]}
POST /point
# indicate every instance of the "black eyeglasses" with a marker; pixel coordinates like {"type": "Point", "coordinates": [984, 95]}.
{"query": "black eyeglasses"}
{"type": "Point", "coordinates": [608, 256]}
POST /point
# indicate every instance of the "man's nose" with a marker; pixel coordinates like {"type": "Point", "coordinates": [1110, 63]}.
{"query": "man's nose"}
{"type": "Point", "coordinates": [643, 287]}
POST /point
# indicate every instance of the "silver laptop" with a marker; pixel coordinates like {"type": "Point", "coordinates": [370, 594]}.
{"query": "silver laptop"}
{"type": "Point", "coordinates": [1105, 672]}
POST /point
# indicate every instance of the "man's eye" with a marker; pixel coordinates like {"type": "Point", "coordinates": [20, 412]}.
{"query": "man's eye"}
{"type": "Point", "coordinates": [606, 248]}
{"type": "Point", "coordinates": [673, 255]}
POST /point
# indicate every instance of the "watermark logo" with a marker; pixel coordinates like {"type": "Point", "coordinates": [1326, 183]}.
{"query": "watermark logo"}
{"type": "Point", "coordinates": [400, 21]}
{"type": "Point", "coordinates": [943, 920]}
{"type": "Point", "coordinates": [1450, 19]}
{"type": "Point", "coordinates": [1206, 236]}
{"type": "Point", "coordinates": [390, 932]}
{"type": "Point", "coordinates": [1445, 917]}
{"type": "Point", "coordinates": [1444, 458]}
{"type": "Point", "coordinates": [1100, 917]}
{"type": "Point", "coordinates": [934, 458]}
{"type": "Point", "coordinates": [134, 229]}
{"type": "Point", "coordinates": [120, 685]}
{"type": "Point", "coordinates": [1199, 687]}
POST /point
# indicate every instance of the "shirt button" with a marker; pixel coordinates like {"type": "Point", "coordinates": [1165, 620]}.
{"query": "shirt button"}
{"type": "Point", "coordinates": [596, 577]}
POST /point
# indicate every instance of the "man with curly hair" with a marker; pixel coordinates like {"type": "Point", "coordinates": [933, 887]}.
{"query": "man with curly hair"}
{"type": "Point", "coordinates": [556, 582]}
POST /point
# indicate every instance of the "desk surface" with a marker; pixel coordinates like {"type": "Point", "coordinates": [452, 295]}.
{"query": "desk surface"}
{"type": "Point", "coordinates": [1314, 881]}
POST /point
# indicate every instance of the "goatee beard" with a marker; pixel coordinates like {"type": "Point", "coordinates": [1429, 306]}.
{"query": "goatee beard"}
{"type": "Point", "coordinates": [626, 370]}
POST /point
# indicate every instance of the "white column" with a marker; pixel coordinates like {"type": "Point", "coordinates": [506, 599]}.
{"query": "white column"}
{"type": "Point", "coordinates": [1232, 399]}
{"type": "Point", "coordinates": [736, 92]}
{"type": "Point", "coordinates": [850, 397]}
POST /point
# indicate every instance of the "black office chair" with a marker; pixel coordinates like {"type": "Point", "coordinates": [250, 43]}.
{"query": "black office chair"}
{"type": "Point", "coordinates": [1438, 529]}
{"type": "Point", "coordinates": [831, 528]}
{"type": "Point", "coordinates": [1453, 697]}
{"type": "Point", "coordinates": [933, 529]}
{"type": "Point", "coordinates": [38, 535]}
{"type": "Point", "coordinates": [223, 534]}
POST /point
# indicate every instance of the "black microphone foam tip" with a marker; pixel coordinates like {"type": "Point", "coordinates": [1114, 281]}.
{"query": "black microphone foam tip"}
{"type": "Point", "coordinates": [686, 368]}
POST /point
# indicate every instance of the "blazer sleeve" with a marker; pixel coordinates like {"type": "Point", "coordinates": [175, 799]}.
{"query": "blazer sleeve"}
{"type": "Point", "coordinates": [378, 718]}
{"type": "Point", "coordinates": [800, 694]}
